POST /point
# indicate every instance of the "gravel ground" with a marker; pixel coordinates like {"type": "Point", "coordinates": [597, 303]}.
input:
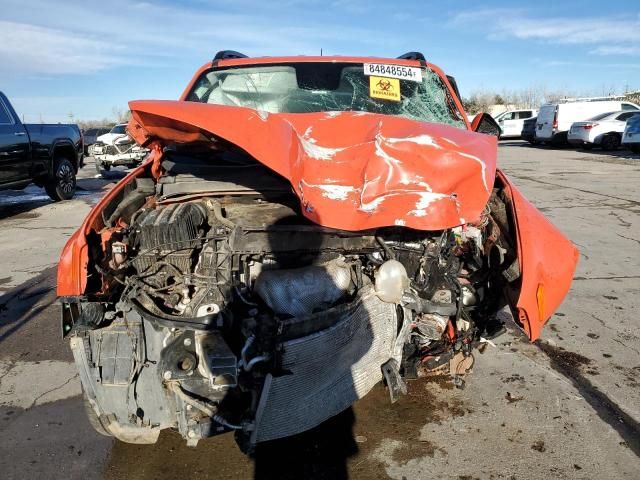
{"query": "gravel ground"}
{"type": "Point", "coordinates": [566, 407]}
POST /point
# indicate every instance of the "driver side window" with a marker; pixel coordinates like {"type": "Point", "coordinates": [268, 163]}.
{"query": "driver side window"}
{"type": "Point", "coordinates": [5, 118]}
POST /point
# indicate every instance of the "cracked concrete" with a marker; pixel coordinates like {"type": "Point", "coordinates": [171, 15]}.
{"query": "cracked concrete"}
{"type": "Point", "coordinates": [27, 384]}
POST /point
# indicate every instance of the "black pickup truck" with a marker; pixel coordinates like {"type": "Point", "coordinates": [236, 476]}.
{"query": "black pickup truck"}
{"type": "Point", "coordinates": [48, 155]}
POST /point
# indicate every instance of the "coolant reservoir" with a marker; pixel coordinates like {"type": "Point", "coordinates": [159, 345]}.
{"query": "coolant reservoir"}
{"type": "Point", "coordinates": [391, 281]}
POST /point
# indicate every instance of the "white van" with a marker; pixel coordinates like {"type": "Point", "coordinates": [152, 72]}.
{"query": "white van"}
{"type": "Point", "coordinates": [555, 119]}
{"type": "Point", "coordinates": [512, 121]}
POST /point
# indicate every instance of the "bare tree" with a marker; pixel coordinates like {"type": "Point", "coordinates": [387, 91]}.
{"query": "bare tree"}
{"type": "Point", "coordinates": [104, 123]}
{"type": "Point", "coordinates": [633, 97]}
{"type": "Point", "coordinates": [528, 97]}
{"type": "Point", "coordinates": [479, 101]}
{"type": "Point", "coordinates": [121, 115]}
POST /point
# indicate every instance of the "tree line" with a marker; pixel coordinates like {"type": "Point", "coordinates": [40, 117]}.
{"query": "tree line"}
{"type": "Point", "coordinates": [530, 97]}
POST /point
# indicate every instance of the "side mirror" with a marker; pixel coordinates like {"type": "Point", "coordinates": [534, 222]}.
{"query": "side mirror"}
{"type": "Point", "coordinates": [485, 123]}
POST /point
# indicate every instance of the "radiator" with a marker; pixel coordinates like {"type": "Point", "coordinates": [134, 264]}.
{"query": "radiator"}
{"type": "Point", "coordinates": [324, 373]}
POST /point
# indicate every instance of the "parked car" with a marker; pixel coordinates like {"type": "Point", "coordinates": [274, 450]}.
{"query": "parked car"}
{"type": "Point", "coordinates": [116, 148]}
{"type": "Point", "coordinates": [528, 132]}
{"type": "Point", "coordinates": [604, 130]}
{"type": "Point", "coordinates": [631, 134]}
{"type": "Point", "coordinates": [48, 155]}
{"type": "Point", "coordinates": [555, 119]}
{"type": "Point", "coordinates": [512, 121]}
{"type": "Point", "coordinates": [304, 228]}
{"type": "Point", "coordinates": [91, 135]}
{"type": "Point", "coordinates": [114, 133]}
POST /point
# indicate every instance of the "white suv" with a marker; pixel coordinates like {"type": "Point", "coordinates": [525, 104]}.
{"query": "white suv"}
{"type": "Point", "coordinates": [604, 130]}
{"type": "Point", "coordinates": [512, 121]}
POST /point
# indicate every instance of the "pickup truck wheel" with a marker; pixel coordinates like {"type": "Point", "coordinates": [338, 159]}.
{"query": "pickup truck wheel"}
{"type": "Point", "coordinates": [62, 184]}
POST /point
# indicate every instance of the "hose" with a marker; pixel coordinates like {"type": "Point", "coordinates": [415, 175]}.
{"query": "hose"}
{"type": "Point", "coordinates": [245, 349]}
{"type": "Point", "coordinates": [188, 399]}
{"type": "Point", "coordinates": [217, 213]}
{"type": "Point", "coordinates": [255, 360]}
{"type": "Point", "coordinates": [388, 252]}
{"type": "Point", "coordinates": [224, 423]}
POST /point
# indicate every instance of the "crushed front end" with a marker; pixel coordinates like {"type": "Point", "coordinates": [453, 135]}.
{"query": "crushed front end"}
{"type": "Point", "coordinates": [231, 311]}
{"type": "Point", "coordinates": [122, 152]}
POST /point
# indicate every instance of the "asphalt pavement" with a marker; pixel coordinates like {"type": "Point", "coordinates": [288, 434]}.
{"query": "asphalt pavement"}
{"type": "Point", "coordinates": [565, 407]}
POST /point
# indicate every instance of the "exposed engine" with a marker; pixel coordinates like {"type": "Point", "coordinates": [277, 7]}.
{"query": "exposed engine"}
{"type": "Point", "coordinates": [227, 310]}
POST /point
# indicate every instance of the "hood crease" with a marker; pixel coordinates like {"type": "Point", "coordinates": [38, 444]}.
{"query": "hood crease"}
{"type": "Point", "coordinates": [351, 170]}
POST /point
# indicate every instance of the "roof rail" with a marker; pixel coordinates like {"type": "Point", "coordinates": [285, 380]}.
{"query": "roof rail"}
{"type": "Point", "coordinates": [227, 54]}
{"type": "Point", "coordinates": [413, 56]}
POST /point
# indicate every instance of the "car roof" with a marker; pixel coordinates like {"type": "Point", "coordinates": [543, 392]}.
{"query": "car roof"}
{"type": "Point", "coordinates": [315, 59]}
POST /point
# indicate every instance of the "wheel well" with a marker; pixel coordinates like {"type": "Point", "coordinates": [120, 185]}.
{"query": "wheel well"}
{"type": "Point", "coordinates": [617, 134]}
{"type": "Point", "coordinates": [68, 152]}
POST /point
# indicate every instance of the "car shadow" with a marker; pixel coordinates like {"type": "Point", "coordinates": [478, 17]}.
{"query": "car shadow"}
{"type": "Point", "coordinates": [30, 315]}
{"type": "Point", "coordinates": [18, 203]}
{"type": "Point", "coordinates": [319, 454]}
{"type": "Point", "coordinates": [624, 154]}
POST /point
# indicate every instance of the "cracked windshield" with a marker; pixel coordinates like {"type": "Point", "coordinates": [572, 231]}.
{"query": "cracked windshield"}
{"type": "Point", "coordinates": [331, 87]}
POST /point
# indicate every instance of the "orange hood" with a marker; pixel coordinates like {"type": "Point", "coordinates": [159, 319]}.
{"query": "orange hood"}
{"type": "Point", "coordinates": [351, 170]}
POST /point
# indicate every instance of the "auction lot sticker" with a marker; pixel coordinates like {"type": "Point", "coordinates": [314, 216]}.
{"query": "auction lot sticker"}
{"type": "Point", "coordinates": [393, 71]}
{"type": "Point", "coordinates": [384, 88]}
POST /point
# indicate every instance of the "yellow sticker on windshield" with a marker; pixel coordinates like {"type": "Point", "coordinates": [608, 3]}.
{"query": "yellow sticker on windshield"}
{"type": "Point", "coordinates": [384, 88]}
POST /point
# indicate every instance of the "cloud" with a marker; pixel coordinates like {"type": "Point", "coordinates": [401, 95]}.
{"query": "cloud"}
{"type": "Point", "coordinates": [616, 50]}
{"type": "Point", "coordinates": [598, 65]}
{"type": "Point", "coordinates": [32, 49]}
{"type": "Point", "coordinates": [517, 23]}
{"type": "Point", "coordinates": [41, 39]}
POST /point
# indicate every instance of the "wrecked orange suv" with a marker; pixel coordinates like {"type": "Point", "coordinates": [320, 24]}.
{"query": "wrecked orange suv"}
{"type": "Point", "coordinates": [304, 228]}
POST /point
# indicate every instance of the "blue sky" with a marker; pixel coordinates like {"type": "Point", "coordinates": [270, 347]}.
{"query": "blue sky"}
{"type": "Point", "coordinates": [85, 57]}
